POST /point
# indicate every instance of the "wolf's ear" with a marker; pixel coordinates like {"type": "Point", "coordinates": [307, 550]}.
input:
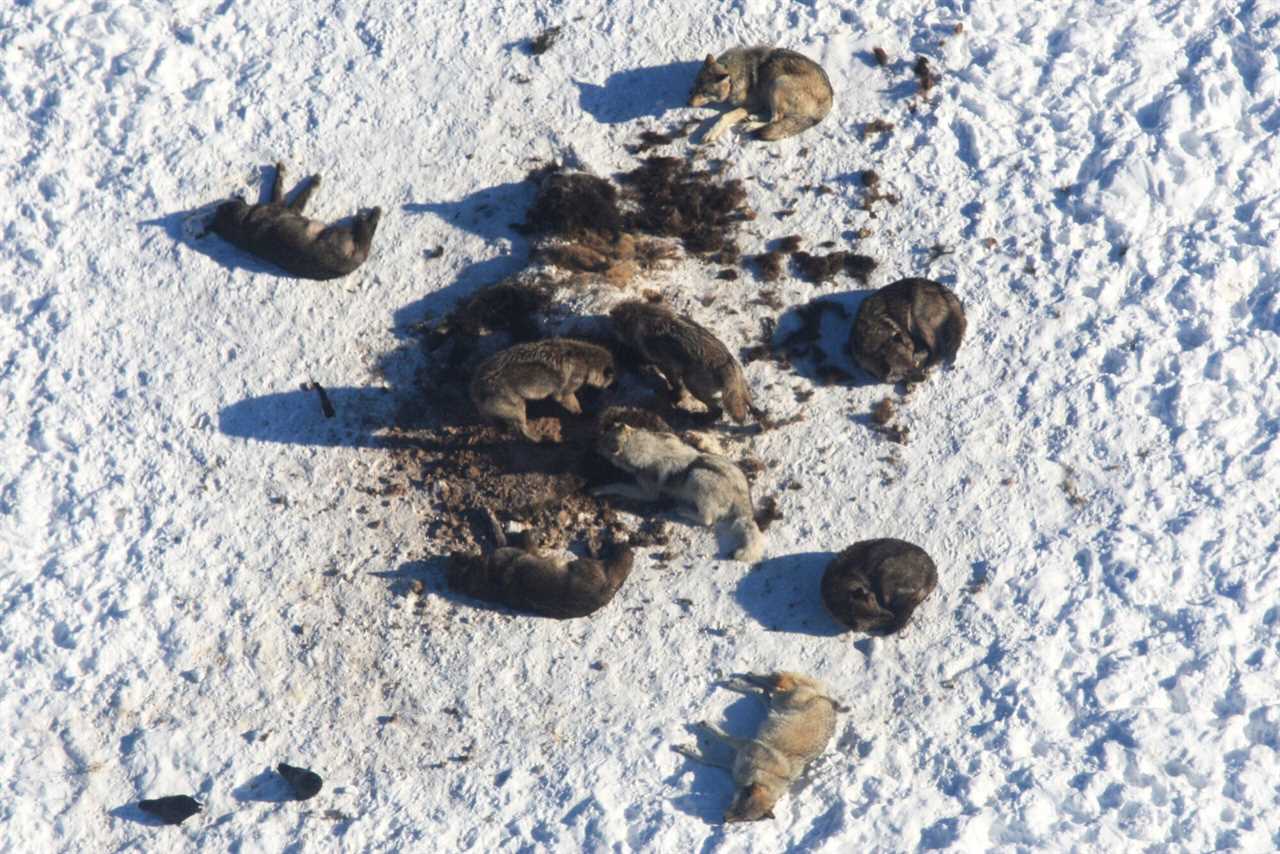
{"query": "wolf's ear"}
{"type": "Point", "coordinates": [711, 60]}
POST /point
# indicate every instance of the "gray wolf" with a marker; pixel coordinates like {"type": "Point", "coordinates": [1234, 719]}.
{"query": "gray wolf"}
{"type": "Point", "coordinates": [687, 354]}
{"type": "Point", "coordinates": [554, 367]}
{"type": "Point", "coordinates": [529, 580]}
{"type": "Point", "coordinates": [279, 233]}
{"type": "Point", "coordinates": [791, 89]}
{"type": "Point", "coordinates": [905, 328]}
{"type": "Point", "coordinates": [800, 722]}
{"type": "Point", "coordinates": [709, 487]}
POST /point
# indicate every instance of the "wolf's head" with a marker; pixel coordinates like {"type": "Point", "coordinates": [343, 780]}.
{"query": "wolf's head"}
{"type": "Point", "coordinates": [712, 85]}
{"type": "Point", "coordinates": [751, 803]}
{"type": "Point", "coordinates": [612, 441]}
{"type": "Point", "coordinates": [888, 351]}
{"type": "Point", "coordinates": [228, 219]}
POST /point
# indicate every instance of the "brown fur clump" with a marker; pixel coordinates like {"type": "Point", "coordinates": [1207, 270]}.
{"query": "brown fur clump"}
{"type": "Point", "coordinates": [673, 200]}
{"type": "Point", "coordinates": [510, 306]}
{"type": "Point", "coordinates": [770, 266]}
{"type": "Point", "coordinates": [616, 260]}
{"type": "Point", "coordinates": [882, 58]}
{"type": "Point", "coordinates": [574, 205]}
{"type": "Point", "coordinates": [875, 586]}
{"type": "Point", "coordinates": [818, 268]}
{"type": "Point", "coordinates": [924, 75]}
{"type": "Point", "coordinates": [790, 244]}
{"type": "Point", "coordinates": [876, 126]}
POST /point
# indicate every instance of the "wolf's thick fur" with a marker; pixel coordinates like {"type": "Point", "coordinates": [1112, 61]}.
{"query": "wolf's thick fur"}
{"type": "Point", "coordinates": [689, 355]}
{"type": "Point", "coordinates": [905, 328]}
{"type": "Point", "coordinates": [555, 368]}
{"type": "Point", "coordinates": [279, 233]}
{"type": "Point", "coordinates": [791, 89]}
{"type": "Point", "coordinates": [874, 586]}
{"type": "Point", "coordinates": [528, 580]}
{"type": "Point", "coordinates": [800, 722]}
{"type": "Point", "coordinates": [710, 487]}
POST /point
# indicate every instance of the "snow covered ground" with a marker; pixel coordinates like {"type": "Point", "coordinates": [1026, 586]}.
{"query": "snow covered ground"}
{"type": "Point", "coordinates": [200, 576]}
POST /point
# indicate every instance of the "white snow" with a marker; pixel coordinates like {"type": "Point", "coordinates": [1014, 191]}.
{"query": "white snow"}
{"type": "Point", "coordinates": [200, 576]}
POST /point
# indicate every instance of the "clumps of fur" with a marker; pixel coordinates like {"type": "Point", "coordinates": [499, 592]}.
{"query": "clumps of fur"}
{"type": "Point", "coordinates": [799, 724]}
{"type": "Point", "coordinates": [876, 126]}
{"type": "Point", "coordinates": [555, 368]}
{"type": "Point", "coordinates": [589, 226]}
{"type": "Point", "coordinates": [925, 75]}
{"type": "Point", "coordinates": [632, 416]}
{"type": "Point", "coordinates": [770, 266]}
{"type": "Point", "coordinates": [544, 41]}
{"type": "Point", "coordinates": [905, 328]}
{"type": "Point", "coordinates": [881, 57]}
{"type": "Point", "coordinates": [511, 306]}
{"type": "Point", "coordinates": [875, 586]}
{"type": "Point", "coordinates": [689, 356]}
{"type": "Point", "coordinates": [694, 207]}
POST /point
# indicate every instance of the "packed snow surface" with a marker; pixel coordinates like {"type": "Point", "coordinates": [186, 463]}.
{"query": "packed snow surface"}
{"type": "Point", "coordinates": [201, 576]}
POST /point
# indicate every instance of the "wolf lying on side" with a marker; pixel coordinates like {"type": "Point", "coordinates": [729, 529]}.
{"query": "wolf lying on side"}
{"type": "Point", "coordinates": [710, 487]}
{"type": "Point", "coordinates": [555, 368]}
{"type": "Point", "coordinates": [528, 580]}
{"type": "Point", "coordinates": [688, 354]}
{"type": "Point", "coordinates": [800, 722]}
{"type": "Point", "coordinates": [279, 233]}
{"type": "Point", "coordinates": [791, 89]}
{"type": "Point", "coordinates": [905, 328]}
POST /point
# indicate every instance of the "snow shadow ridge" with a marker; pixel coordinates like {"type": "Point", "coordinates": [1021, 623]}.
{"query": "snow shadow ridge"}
{"type": "Point", "coordinates": [638, 92]}
{"type": "Point", "coordinates": [784, 594]}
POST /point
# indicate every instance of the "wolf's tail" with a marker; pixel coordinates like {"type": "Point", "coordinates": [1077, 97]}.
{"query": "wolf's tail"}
{"type": "Point", "coordinates": [750, 540]}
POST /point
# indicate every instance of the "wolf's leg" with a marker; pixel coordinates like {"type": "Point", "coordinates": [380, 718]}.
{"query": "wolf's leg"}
{"type": "Point", "coordinates": [627, 490]}
{"type": "Point", "coordinates": [570, 402]}
{"type": "Point", "coordinates": [781, 128]}
{"type": "Point", "coordinates": [726, 121]}
{"type": "Point", "coordinates": [696, 755]}
{"type": "Point", "coordinates": [304, 195]}
{"type": "Point", "coordinates": [720, 735]}
{"type": "Point", "coordinates": [277, 185]}
{"type": "Point", "coordinates": [697, 515]}
{"type": "Point", "coordinates": [366, 225]}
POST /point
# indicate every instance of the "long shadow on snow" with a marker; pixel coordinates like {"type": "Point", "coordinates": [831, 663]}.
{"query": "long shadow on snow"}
{"type": "Point", "coordinates": [784, 594]}
{"type": "Point", "coordinates": [267, 788]}
{"type": "Point", "coordinates": [637, 92]}
{"type": "Point", "coordinates": [829, 346]}
{"type": "Point", "coordinates": [711, 789]}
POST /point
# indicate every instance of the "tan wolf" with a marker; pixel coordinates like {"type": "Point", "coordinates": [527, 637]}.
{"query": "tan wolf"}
{"type": "Point", "coordinates": [800, 722]}
{"type": "Point", "coordinates": [688, 354]}
{"type": "Point", "coordinates": [791, 89]}
{"type": "Point", "coordinates": [555, 368]}
{"type": "Point", "coordinates": [709, 487]}
{"type": "Point", "coordinates": [279, 233]}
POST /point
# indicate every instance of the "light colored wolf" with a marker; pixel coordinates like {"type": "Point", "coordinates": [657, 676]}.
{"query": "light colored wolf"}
{"type": "Point", "coordinates": [905, 328]}
{"type": "Point", "coordinates": [688, 354]}
{"type": "Point", "coordinates": [791, 89]}
{"type": "Point", "coordinates": [800, 722]}
{"type": "Point", "coordinates": [279, 233]}
{"type": "Point", "coordinates": [710, 487]}
{"type": "Point", "coordinates": [555, 368]}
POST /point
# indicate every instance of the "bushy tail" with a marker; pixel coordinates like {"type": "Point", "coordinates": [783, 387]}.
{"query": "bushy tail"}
{"type": "Point", "coordinates": [750, 540]}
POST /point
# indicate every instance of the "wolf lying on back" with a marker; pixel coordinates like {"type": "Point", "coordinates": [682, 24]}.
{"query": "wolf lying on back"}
{"type": "Point", "coordinates": [791, 89]}
{"type": "Point", "coordinates": [801, 720]}
{"type": "Point", "coordinates": [528, 580]}
{"type": "Point", "coordinates": [280, 233]}
{"type": "Point", "coordinates": [710, 487]}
